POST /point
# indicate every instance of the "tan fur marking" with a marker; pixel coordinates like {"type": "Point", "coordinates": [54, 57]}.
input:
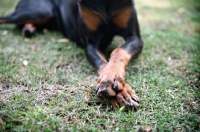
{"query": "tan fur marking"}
{"type": "Point", "coordinates": [41, 21]}
{"type": "Point", "coordinates": [121, 17]}
{"type": "Point", "coordinates": [38, 21]}
{"type": "Point", "coordinates": [91, 18]}
{"type": "Point", "coordinates": [118, 61]}
{"type": "Point", "coordinates": [120, 57]}
{"type": "Point", "coordinates": [2, 21]}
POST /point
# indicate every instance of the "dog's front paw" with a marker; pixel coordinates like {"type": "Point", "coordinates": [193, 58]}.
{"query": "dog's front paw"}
{"type": "Point", "coordinates": [110, 82]}
{"type": "Point", "coordinates": [112, 87]}
{"type": "Point", "coordinates": [126, 97]}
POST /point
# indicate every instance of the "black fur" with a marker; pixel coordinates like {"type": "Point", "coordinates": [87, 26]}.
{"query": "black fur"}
{"type": "Point", "coordinates": [65, 15]}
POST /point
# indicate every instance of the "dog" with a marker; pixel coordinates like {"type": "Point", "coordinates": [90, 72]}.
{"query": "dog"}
{"type": "Point", "coordinates": [92, 24]}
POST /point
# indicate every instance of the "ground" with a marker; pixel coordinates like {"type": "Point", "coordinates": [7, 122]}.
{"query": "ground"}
{"type": "Point", "coordinates": [48, 85]}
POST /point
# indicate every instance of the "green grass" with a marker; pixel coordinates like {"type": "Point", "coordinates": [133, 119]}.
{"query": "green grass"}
{"type": "Point", "coordinates": [48, 94]}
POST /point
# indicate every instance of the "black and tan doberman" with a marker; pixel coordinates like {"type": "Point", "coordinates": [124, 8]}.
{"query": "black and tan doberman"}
{"type": "Point", "coordinates": [92, 24]}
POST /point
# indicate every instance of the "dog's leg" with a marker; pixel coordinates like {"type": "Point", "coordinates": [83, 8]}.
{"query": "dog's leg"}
{"type": "Point", "coordinates": [28, 14]}
{"type": "Point", "coordinates": [112, 77]}
{"type": "Point", "coordinates": [111, 81]}
{"type": "Point", "coordinates": [28, 30]}
{"type": "Point", "coordinates": [23, 16]}
{"type": "Point", "coordinates": [27, 19]}
{"type": "Point", "coordinates": [113, 89]}
{"type": "Point", "coordinates": [95, 57]}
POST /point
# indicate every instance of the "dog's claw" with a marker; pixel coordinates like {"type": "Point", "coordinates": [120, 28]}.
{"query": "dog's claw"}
{"type": "Point", "coordinates": [117, 105]}
{"type": "Point", "coordinates": [115, 86]}
{"type": "Point", "coordinates": [129, 104]}
{"type": "Point", "coordinates": [102, 90]}
{"type": "Point", "coordinates": [136, 99]}
{"type": "Point", "coordinates": [97, 88]}
{"type": "Point", "coordinates": [136, 106]}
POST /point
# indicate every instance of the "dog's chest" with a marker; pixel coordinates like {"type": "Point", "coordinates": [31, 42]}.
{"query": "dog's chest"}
{"type": "Point", "coordinates": [97, 12]}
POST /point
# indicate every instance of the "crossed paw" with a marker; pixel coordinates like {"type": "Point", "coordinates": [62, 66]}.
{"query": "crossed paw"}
{"type": "Point", "coordinates": [112, 87]}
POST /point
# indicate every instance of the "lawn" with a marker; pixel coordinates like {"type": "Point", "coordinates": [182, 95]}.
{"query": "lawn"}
{"type": "Point", "coordinates": [43, 81]}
